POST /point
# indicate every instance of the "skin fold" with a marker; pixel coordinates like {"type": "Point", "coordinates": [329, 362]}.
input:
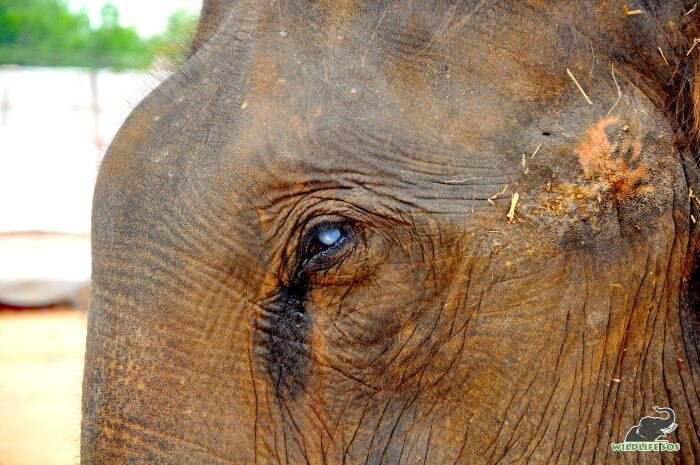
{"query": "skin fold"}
{"type": "Point", "coordinates": [436, 329]}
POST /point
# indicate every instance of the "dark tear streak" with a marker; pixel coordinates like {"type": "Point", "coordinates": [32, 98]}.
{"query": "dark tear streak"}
{"type": "Point", "coordinates": [283, 328]}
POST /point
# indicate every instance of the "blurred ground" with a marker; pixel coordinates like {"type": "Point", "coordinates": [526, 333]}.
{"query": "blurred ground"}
{"type": "Point", "coordinates": [41, 362]}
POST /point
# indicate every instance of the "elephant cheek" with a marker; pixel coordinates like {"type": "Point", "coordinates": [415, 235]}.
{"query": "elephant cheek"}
{"type": "Point", "coordinates": [166, 377]}
{"type": "Point", "coordinates": [281, 339]}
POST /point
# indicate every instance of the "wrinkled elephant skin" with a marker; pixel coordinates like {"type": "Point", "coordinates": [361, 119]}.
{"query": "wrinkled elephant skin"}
{"type": "Point", "coordinates": [308, 248]}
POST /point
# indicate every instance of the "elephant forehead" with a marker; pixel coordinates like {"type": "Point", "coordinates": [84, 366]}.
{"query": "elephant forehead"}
{"type": "Point", "coordinates": [441, 102]}
{"type": "Point", "coordinates": [376, 127]}
{"type": "Point", "coordinates": [381, 101]}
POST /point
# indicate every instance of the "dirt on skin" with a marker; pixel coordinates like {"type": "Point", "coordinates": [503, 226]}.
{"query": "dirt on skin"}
{"type": "Point", "coordinates": [41, 363]}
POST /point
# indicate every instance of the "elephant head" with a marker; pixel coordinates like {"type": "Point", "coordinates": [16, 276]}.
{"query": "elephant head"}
{"type": "Point", "coordinates": [401, 231]}
{"type": "Point", "coordinates": [651, 428]}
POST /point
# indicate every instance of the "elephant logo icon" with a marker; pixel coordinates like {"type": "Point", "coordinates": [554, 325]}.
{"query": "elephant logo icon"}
{"type": "Point", "coordinates": [650, 429]}
{"type": "Point", "coordinates": [648, 435]}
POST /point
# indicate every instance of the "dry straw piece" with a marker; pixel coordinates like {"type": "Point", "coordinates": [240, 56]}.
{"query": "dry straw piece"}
{"type": "Point", "coordinates": [583, 92]}
{"type": "Point", "coordinates": [662, 55]}
{"type": "Point", "coordinates": [495, 196]}
{"type": "Point", "coordinates": [617, 86]}
{"type": "Point", "coordinates": [629, 12]}
{"type": "Point", "coordinates": [460, 181]}
{"type": "Point", "coordinates": [513, 204]}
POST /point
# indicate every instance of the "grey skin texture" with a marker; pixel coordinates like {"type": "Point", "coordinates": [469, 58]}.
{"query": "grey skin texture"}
{"type": "Point", "coordinates": [436, 330]}
{"type": "Point", "coordinates": [651, 428]}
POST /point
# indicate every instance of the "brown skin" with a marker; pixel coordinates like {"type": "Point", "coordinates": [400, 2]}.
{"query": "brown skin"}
{"type": "Point", "coordinates": [436, 331]}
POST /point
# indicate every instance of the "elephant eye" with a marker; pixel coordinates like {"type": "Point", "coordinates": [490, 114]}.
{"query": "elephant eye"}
{"type": "Point", "coordinates": [328, 236]}
{"type": "Point", "coordinates": [324, 239]}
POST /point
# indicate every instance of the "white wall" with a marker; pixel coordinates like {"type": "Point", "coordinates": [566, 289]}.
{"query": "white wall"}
{"type": "Point", "coordinates": [54, 127]}
{"type": "Point", "coordinates": [51, 142]}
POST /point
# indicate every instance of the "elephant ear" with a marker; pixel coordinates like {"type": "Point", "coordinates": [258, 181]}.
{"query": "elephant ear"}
{"type": "Point", "coordinates": [691, 31]}
{"type": "Point", "coordinates": [212, 15]}
{"type": "Point", "coordinates": [674, 26]}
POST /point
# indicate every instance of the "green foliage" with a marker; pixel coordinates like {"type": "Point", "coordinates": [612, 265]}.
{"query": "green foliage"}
{"type": "Point", "coordinates": [47, 33]}
{"type": "Point", "coordinates": [174, 44]}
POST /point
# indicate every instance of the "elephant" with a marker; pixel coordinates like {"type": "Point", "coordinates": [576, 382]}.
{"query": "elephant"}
{"type": "Point", "coordinates": [399, 231]}
{"type": "Point", "coordinates": [651, 428]}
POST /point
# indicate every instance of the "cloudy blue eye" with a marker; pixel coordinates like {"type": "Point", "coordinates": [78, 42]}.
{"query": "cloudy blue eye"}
{"type": "Point", "coordinates": [324, 237]}
{"type": "Point", "coordinates": [328, 236]}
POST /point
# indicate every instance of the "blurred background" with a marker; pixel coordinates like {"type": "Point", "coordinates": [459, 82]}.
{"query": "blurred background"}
{"type": "Point", "coordinates": [70, 72]}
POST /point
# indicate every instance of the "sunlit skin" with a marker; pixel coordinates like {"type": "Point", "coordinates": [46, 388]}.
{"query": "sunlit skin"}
{"type": "Point", "coordinates": [303, 251]}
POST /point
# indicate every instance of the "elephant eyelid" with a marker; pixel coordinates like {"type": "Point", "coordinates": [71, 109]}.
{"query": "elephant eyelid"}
{"type": "Point", "coordinates": [323, 242]}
